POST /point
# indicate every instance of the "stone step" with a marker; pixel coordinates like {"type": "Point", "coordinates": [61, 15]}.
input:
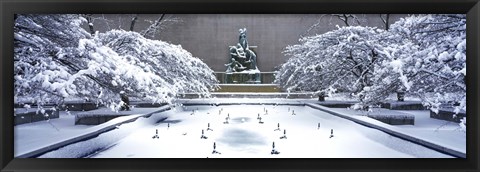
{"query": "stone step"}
{"type": "Point", "coordinates": [252, 95]}
{"type": "Point", "coordinates": [252, 88]}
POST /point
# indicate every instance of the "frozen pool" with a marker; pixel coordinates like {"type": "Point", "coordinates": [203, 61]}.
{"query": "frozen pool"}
{"type": "Point", "coordinates": [179, 136]}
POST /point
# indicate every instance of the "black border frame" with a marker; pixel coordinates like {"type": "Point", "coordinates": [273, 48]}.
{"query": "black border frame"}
{"type": "Point", "coordinates": [10, 7]}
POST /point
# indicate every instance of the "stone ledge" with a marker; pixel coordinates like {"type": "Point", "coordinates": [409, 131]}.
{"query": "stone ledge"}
{"type": "Point", "coordinates": [251, 95]}
{"type": "Point", "coordinates": [252, 88]}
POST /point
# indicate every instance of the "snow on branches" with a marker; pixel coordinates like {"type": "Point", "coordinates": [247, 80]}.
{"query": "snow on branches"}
{"type": "Point", "coordinates": [439, 70]}
{"type": "Point", "coordinates": [181, 71]}
{"type": "Point", "coordinates": [38, 73]}
{"type": "Point", "coordinates": [422, 55]}
{"type": "Point", "coordinates": [342, 60]}
{"type": "Point", "coordinates": [56, 59]}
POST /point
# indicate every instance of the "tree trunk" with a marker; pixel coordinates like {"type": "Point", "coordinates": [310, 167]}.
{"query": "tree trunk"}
{"type": "Point", "coordinates": [385, 20]}
{"type": "Point", "coordinates": [132, 24]}
{"type": "Point", "coordinates": [126, 102]}
{"type": "Point", "coordinates": [90, 23]}
{"type": "Point", "coordinates": [321, 97]}
{"type": "Point", "coordinates": [400, 96]}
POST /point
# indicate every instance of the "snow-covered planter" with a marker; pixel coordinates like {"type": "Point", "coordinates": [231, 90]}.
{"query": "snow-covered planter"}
{"type": "Point", "coordinates": [94, 120]}
{"type": "Point", "coordinates": [146, 104]}
{"type": "Point", "coordinates": [388, 116]}
{"type": "Point", "coordinates": [403, 119]}
{"type": "Point", "coordinates": [29, 115]}
{"type": "Point", "coordinates": [338, 104]}
{"type": "Point", "coordinates": [448, 114]}
{"type": "Point", "coordinates": [79, 106]}
{"type": "Point", "coordinates": [403, 105]}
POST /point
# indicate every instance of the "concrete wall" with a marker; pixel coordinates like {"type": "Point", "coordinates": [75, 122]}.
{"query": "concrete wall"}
{"type": "Point", "coordinates": [207, 36]}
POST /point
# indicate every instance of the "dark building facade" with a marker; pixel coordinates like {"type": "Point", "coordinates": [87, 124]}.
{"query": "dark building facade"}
{"type": "Point", "coordinates": [208, 36]}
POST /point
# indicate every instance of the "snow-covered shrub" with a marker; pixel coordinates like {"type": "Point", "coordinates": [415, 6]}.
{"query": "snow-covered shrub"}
{"type": "Point", "coordinates": [53, 63]}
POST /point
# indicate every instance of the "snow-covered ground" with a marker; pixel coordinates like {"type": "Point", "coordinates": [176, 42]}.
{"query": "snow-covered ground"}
{"type": "Point", "coordinates": [30, 136]}
{"type": "Point", "coordinates": [446, 133]}
{"type": "Point", "coordinates": [244, 136]}
{"type": "Point", "coordinates": [33, 136]}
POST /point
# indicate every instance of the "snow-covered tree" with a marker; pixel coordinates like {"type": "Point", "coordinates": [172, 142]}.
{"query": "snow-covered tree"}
{"type": "Point", "coordinates": [388, 76]}
{"type": "Point", "coordinates": [347, 19]}
{"type": "Point", "coordinates": [438, 72]}
{"type": "Point", "coordinates": [423, 55]}
{"type": "Point", "coordinates": [437, 75]}
{"type": "Point", "coordinates": [340, 60]}
{"type": "Point", "coordinates": [38, 39]}
{"type": "Point", "coordinates": [55, 59]}
{"type": "Point", "coordinates": [334, 19]}
{"type": "Point", "coordinates": [183, 73]}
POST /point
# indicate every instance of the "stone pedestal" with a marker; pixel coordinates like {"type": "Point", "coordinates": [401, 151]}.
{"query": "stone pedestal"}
{"type": "Point", "coordinates": [242, 78]}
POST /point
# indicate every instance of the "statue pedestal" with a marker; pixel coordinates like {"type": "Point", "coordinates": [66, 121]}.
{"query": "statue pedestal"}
{"type": "Point", "coordinates": [244, 77]}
